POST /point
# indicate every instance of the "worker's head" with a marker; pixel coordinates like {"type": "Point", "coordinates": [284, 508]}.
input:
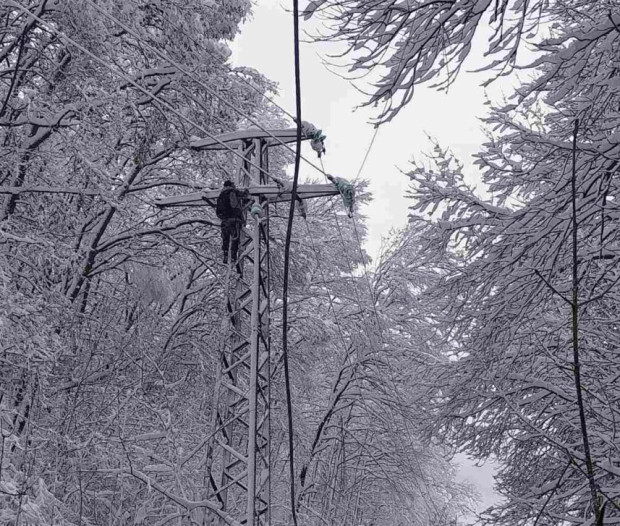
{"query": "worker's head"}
{"type": "Point", "coordinates": [229, 184]}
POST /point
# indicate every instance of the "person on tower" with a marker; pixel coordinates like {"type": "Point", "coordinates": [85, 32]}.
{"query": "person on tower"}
{"type": "Point", "coordinates": [229, 210]}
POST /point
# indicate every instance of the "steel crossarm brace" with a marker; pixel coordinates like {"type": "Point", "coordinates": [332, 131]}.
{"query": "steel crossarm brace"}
{"type": "Point", "coordinates": [273, 193]}
{"type": "Point", "coordinates": [286, 136]}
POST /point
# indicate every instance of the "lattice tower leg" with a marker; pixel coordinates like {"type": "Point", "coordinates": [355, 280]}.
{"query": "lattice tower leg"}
{"type": "Point", "coordinates": [240, 451]}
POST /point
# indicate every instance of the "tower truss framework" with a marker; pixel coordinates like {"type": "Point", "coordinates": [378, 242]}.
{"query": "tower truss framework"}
{"type": "Point", "coordinates": [239, 455]}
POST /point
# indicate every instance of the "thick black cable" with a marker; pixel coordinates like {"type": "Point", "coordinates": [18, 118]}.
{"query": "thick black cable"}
{"type": "Point", "coordinates": [287, 251]}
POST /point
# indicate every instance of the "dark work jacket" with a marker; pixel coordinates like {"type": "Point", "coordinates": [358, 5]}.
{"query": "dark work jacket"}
{"type": "Point", "coordinates": [235, 199]}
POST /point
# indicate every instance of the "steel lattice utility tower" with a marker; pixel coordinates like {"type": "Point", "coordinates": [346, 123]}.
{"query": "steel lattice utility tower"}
{"type": "Point", "coordinates": [238, 458]}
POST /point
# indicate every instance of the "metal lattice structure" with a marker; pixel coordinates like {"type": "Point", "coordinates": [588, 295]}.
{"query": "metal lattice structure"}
{"type": "Point", "coordinates": [239, 461]}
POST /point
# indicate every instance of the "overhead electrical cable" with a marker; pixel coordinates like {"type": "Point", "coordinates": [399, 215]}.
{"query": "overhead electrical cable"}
{"type": "Point", "coordinates": [379, 327]}
{"type": "Point", "coordinates": [243, 80]}
{"type": "Point", "coordinates": [332, 308]}
{"type": "Point", "coordinates": [140, 88]}
{"type": "Point", "coordinates": [377, 321]}
{"type": "Point", "coordinates": [224, 58]}
{"type": "Point", "coordinates": [363, 258]}
{"type": "Point", "coordinates": [187, 73]}
{"type": "Point", "coordinates": [366, 155]}
{"type": "Point", "coordinates": [370, 341]}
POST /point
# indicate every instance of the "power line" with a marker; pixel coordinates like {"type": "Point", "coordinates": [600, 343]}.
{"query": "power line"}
{"type": "Point", "coordinates": [354, 372]}
{"type": "Point", "coordinates": [229, 104]}
{"type": "Point", "coordinates": [372, 142]}
{"type": "Point", "coordinates": [143, 90]}
{"type": "Point", "coordinates": [163, 56]}
{"type": "Point", "coordinates": [223, 58]}
{"type": "Point", "coordinates": [237, 78]}
{"type": "Point", "coordinates": [370, 341]}
{"type": "Point", "coordinates": [376, 315]}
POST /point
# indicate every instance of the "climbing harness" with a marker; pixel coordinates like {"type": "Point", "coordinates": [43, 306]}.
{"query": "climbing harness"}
{"type": "Point", "coordinates": [347, 191]}
{"type": "Point", "coordinates": [317, 139]}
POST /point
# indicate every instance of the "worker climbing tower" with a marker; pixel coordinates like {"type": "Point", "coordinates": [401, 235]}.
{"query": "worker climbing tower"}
{"type": "Point", "coordinates": [238, 457]}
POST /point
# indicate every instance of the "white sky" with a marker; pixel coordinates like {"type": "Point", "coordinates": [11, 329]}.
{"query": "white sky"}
{"type": "Point", "coordinates": [329, 102]}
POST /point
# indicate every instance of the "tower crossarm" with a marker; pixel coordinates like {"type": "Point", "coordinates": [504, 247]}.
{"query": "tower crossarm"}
{"type": "Point", "coordinates": [233, 139]}
{"type": "Point", "coordinates": [273, 193]}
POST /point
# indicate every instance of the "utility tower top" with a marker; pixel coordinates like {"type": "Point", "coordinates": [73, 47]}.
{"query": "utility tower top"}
{"type": "Point", "coordinates": [253, 144]}
{"type": "Point", "coordinates": [238, 454]}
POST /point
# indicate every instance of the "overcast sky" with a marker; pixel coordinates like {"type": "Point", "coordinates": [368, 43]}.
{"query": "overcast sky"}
{"type": "Point", "coordinates": [329, 102]}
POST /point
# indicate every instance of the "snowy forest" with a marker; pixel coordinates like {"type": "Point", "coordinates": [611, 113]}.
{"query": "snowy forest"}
{"type": "Point", "coordinates": [487, 327]}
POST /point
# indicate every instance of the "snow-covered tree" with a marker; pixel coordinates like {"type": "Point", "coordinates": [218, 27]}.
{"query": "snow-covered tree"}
{"type": "Point", "coordinates": [503, 291]}
{"type": "Point", "coordinates": [111, 309]}
{"type": "Point", "coordinates": [506, 271]}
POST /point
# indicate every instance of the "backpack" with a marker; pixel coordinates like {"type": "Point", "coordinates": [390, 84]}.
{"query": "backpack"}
{"type": "Point", "coordinates": [228, 205]}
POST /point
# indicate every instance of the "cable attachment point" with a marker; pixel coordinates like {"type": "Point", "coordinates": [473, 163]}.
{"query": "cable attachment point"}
{"type": "Point", "coordinates": [317, 139]}
{"type": "Point", "coordinates": [347, 191]}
